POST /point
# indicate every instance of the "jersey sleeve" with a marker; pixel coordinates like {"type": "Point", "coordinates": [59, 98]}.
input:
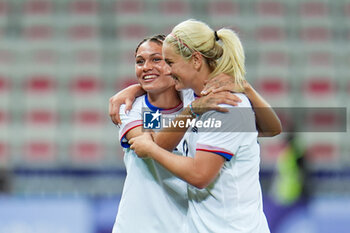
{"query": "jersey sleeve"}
{"type": "Point", "coordinates": [236, 127]}
{"type": "Point", "coordinates": [129, 121]}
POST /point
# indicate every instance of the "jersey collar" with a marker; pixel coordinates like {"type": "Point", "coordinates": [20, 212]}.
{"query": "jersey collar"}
{"type": "Point", "coordinates": [163, 110]}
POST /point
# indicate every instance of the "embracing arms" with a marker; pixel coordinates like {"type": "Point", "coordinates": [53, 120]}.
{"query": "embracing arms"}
{"type": "Point", "coordinates": [267, 121]}
{"type": "Point", "coordinates": [199, 171]}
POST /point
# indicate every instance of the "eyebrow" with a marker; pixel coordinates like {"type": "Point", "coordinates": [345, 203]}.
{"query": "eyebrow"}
{"type": "Point", "coordinates": [153, 54]}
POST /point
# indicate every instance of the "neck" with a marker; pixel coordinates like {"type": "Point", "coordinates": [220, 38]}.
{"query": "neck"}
{"type": "Point", "coordinates": [199, 81]}
{"type": "Point", "coordinates": [165, 99]}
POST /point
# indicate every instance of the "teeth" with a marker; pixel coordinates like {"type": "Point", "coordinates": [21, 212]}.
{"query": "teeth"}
{"type": "Point", "coordinates": [149, 76]}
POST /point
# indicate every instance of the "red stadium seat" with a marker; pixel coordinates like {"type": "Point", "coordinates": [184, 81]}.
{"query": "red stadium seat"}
{"type": "Point", "coordinates": [4, 118]}
{"type": "Point", "coordinates": [45, 56]}
{"type": "Point", "coordinates": [129, 6]}
{"type": "Point", "coordinates": [174, 7]}
{"type": "Point", "coordinates": [319, 87]}
{"type": "Point", "coordinates": [275, 86]}
{"type": "Point", "coordinates": [3, 8]}
{"type": "Point", "coordinates": [84, 7]}
{"type": "Point", "coordinates": [39, 151]}
{"type": "Point", "coordinates": [4, 84]}
{"type": "Point", "coordinates": [322, 152]}
{"type": "Point", "coordinates": [347, 9]}
{"type": "Point", "coordinates": [270, 9]}
{"type": "Point", "coordinates": [223, 8]}
{"type": "Point", "coordinates": [89, 118]}
{"type": "Point", "coordinates": [83, 32]}
{"type": "Point", "coordinates": [274, 58]}
{"type": "Point", "coordinates": [4, 152]}
{"type": "Point", "coordinates": [313, 9]}
{"type": "Point", "coordinates": [41, 117]}
{"type": "Point", "coordinates": [87, 56]}
{"type": "Point", "coordinates": [40, 84]}
{"type": "Point", "coordinates": [133, 31]}
{"type": "Point", "coordinates": [36, 32]}
{"type": "Point", "coordinates": [38, 7]}
{"type": "Point", "coordinates": [324, 120]}
{"type": "Point", "coordinates": [86, 85]}
{"type": "Point", "coordinates": [320, 58]}
{"type": "Point", "coordinates": [316, 34]}
{"type": "Point", "coordinates": [270, 34]}
{"type": "Point", "coordinates": [86, 151]}
{"type": "Point", "coordinates": [124, 82]}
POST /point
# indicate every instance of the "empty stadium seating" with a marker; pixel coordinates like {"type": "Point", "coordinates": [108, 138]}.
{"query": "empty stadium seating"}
{"type": "Point", "coordinates": [125, 7]}
{"type": "Point", "coordinates": [38, 7]}
{"type": "Point", "coordinates": [37, 152]}
{"type": "Point", "coordinates": [273, 9]}
{"type": "Point", "coordinates": [60, 61]}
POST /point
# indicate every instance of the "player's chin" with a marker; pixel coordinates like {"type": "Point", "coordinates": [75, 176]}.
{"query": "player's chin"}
{"type": "Point", "coordinates": [148, 87]}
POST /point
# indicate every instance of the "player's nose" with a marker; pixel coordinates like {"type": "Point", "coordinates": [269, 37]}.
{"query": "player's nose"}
{"type": "Point", "coordinates": [148, 66]}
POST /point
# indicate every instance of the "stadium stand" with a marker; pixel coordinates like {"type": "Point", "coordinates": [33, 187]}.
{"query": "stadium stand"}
{"type": "Point", "coordinates": [62, 60]}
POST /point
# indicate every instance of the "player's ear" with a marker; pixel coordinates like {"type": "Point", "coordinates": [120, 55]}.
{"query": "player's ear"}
{"type": "Point", "coordinates": [197, 60]}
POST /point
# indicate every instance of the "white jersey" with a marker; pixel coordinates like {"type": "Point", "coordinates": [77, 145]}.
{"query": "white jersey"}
{"type": "Point", "coordinates": [153, 200]}
{"type": "Point", "coordinates": [233, 201]}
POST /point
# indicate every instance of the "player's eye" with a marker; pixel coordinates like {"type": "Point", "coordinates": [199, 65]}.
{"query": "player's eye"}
{"type": "Point", "coordinates": [139, 62]}
{"type": "Point", "coordinates": [169, 62]}
{"type": "Point", "coordinates": [157, 59]}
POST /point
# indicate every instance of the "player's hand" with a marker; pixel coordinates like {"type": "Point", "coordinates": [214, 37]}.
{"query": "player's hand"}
{"type": "Point", "coordinates": [126, 96]}
{"type": "Point", "coordinates": [142, 145]}
{"type": "Point", "coordinates": [212, 101]}
{"type": "Point", "coordinates": [222, 82]}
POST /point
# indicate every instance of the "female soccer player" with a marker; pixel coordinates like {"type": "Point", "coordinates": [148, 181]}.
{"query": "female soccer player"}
{"type": "Point", "coordinates": [221, 167]}
{"type": "Point", "coordinates": [153, 200]}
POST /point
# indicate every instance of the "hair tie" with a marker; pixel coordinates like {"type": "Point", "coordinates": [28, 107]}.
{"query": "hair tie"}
{"type": "Point", "coordinates": [216, 36]}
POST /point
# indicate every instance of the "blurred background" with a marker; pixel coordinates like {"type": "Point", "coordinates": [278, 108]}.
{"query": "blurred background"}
{"type": "Point", "coordinates": [61, 167]}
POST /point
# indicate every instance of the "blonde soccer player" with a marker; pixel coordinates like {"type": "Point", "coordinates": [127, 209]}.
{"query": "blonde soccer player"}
{"type": "Point", "coordinates": [222, 165]}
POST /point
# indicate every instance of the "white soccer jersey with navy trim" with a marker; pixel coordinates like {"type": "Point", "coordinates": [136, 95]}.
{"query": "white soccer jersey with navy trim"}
{"type": "Point", "coordinates": [153, 200]}
{"type": "Point", "coordinates": [233, 201]}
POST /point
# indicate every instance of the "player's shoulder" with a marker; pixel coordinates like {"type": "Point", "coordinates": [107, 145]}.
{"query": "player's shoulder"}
{"type": "Point", "coordinates": [245, 100]}
{"type": "Point", "coordinates": [245, 103]}
{"type": "Point", "coordinates": [137, 104]}
{"type": "Point", "coordinates": [139, 100]}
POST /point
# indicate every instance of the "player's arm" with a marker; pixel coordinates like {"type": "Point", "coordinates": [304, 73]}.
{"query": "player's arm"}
{"type": "Point", "coordinates": [137, 131]}
{"type": "Point", "coordinates": [125, 96]}
{"type": "Point", "coordinates": [267, 121]}
{"type": "Point", "coordinates": [131, 124]}
{"type": "Point", "coordinates": [169, 138]}
{"type": "Point", "coordinates": [199, 171]}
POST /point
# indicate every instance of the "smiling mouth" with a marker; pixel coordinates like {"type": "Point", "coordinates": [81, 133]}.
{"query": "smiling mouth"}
{"type": "Point", "coordinates": [149, 77]}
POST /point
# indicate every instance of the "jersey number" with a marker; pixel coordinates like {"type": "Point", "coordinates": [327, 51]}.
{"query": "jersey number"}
{"type": "Point", "coordinates": [185, 147]}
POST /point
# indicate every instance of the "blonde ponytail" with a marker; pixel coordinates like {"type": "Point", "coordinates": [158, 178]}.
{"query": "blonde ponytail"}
{"type": "Point", "coordinates": [233, 59]}
{"type": "Point", "coordinates": [223, 56]}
